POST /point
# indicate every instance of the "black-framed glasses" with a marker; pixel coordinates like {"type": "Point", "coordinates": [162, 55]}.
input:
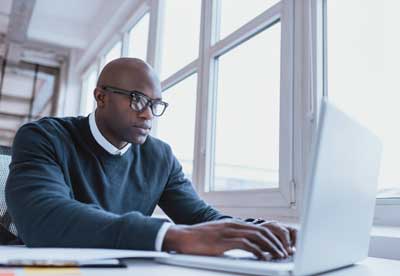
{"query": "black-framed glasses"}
{"type": "Point", "coordinates": [139, 101]}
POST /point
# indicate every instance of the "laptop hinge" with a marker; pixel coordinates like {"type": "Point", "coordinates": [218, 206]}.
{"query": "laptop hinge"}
{"type": "Point", "coordinates": [292, 187]}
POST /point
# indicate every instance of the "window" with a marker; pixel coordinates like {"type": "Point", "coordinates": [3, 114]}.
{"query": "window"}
{"type": "Point", "coordinates": [362, 61]}
{"type": "Point", "coordinates": [28, 92]}
{"type": "Point", "coordinates": [138, 36]}
{"type": "Point", "coordinates": [245, 108]}
{"type": "Point", "coordinates": [179, 54]}
{"type": "Point", "coordinates": [181, 32]}
{"type": "Point", "coordinates": [114, 53]}
{"type": "Point", "coordinates": [88, 86]}
{"type": "Point", "coordinates": [234, 14]}
{"type": "Point", "coordinates": [247, 127]}
{"type": "Point", "coordinates": [226, 70]}
{"type": "Point", "coordinates": [176, 126]}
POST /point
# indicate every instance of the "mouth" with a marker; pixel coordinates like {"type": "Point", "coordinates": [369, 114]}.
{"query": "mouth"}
{"type": "Point", "coordinates": [143, 130]}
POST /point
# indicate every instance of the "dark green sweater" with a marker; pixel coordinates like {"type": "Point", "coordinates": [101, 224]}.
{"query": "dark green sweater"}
{"type": "Point", "coordinates": [65, 190]}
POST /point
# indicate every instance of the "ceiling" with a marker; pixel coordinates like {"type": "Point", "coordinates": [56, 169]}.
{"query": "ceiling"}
{"type": "Point", "coordinates": [70, 23]}
{"type": "Point", "coordinates": [41, 32]}
{"type": "Point", "coordinates": [66, 23]}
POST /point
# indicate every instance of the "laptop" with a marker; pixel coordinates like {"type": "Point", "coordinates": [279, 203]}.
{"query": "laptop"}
{"type": "Point", "coordinates": [338, 207]}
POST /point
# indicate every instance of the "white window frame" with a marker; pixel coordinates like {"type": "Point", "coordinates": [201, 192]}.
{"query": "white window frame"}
{"type": "Point", "coordinates": [116, 39]}
{"type": "Point", "coordinates": [282, 199]}
{"type": "Point", "coordinates": [154, 54]}
{"type": "Point", "coordinates": [386, 209]}
{"type": "Point", "coordinates": [142, 10]}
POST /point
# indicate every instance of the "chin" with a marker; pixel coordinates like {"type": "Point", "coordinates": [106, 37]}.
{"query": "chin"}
{"type": "Point", "coordinates": [138, 140]}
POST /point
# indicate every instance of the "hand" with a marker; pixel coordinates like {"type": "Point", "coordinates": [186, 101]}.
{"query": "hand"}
{"type": "Point", "coordinates": [216, 237]}
{"type": "Point", "coordinates": [287, 235]}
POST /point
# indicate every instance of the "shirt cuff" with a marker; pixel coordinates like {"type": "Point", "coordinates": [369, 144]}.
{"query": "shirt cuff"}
{"type": "Point", "coordinates": [161, 234]}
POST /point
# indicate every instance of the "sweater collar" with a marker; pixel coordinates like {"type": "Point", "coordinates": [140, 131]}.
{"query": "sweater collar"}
{"type": "Point", "coordinates": [102, 141]}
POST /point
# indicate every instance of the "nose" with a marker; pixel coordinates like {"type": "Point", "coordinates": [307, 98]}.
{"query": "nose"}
{"type": "Point", "coordinates": [146, 113]}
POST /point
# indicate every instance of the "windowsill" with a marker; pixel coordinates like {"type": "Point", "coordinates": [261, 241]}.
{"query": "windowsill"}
{"type": "Point", "coordinates": [385, 231]}
{"type": "Point", "coordinates": [385, 241]}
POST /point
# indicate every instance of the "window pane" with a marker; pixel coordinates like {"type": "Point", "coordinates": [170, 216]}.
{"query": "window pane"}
{"type": "Point", "coordinates": [181, 35]}
{"type": "Point", "coordinates": [138, 38]}
{"type": "Point", "coordinates": [28, 92]}
{"type": "Point", "coordinates": [247, 126]}
{"type": "Point", "coordinates": [176, 126]}
{"type": "Point", "coordinates": [44, 92]}
{"type": "Point", "coordinates": [234, 14]}
{"type": "Point", "coordinates": [88, 86]}
{"type": "Point", "coordinates": [114, 53]}
{"type": "Point", "coordinates": [362, 74]}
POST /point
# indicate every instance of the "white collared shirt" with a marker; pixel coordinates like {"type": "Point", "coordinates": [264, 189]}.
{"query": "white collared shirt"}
{"type": "Point", "coordinates": [102, 141]}
{"type": "Point", "coordinates": [110, 148]}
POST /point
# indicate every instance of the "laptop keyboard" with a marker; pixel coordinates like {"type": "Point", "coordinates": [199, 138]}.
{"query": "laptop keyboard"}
{"type": "Point", "coordinates": [289, 259]}
{"type": "Point", "coordinates": [244, 255]}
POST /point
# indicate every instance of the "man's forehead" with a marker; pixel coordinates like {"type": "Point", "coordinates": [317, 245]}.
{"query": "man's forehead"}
{"type": "Point", "coordinates": [132, 76]}
{"type": "Point", "coordinates": [150, 91]}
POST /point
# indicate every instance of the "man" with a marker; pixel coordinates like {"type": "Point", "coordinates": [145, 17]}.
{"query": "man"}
{"type": "Point", "coordinates": [95, 181]}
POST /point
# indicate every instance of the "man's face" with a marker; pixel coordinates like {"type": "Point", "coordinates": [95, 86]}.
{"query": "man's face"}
{"type": "Point", "coordinates": [127, 124]}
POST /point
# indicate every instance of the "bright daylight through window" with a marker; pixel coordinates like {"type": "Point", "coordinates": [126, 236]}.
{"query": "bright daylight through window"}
{"type": "Point", "coordinates": [182, 98]}
{"type": "Point", "coordinates": [181, 33]}
{"type": "Point", "coordinates": [233, 14]}
{"type": "Point", "coordinates": [138, 38]}
{"type": "Point", "coordinates": [114, 53]}
{"type": "Point", "coordinates": [88, 85]}
{"type": "Point", "coordinates": [362, 74]}
{"type": "Point", "coordinates": [247, 128]}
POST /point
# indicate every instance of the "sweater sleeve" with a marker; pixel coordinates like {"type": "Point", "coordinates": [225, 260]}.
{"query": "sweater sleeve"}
{"type": "Point", "coordinates": [45, 213]}
{"type": "Point", "coordinates": [181, 202]}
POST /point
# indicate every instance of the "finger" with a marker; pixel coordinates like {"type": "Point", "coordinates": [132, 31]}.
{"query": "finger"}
{"type": "Point", "coordinates": [259, 239]}
{"type": "Point", "coordinates": [293, 236]}
{"type": "Point", "coordinates": [265, 231]}
{"type": "Point", "coordinates": [275, 240]}
{"type": "Point", "coordinates": [244, 244]}
{"type": "Point", "coordinates": [282, 233]}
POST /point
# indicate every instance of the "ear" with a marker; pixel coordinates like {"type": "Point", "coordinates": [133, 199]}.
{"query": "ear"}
{"type": "Point", "coordinates": [99, 96]}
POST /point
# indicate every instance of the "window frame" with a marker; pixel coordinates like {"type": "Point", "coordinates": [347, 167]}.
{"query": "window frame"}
{"type": "Point", "coordinates": [157, 16]}
{"type": "Point", "coordinates": [110, 45]}
{"type": "Point", "coordinates": [282, 199]}
{"type": "Point", "coordinates": [139, 14]}
{"type": "Point", "coordinates": [273, 202]}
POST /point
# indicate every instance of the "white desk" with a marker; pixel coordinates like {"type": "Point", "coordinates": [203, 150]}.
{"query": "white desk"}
{"type": "Point", "coordinates": [369, 267]}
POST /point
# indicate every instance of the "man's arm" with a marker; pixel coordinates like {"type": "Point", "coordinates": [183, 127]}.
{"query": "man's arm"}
{"type": "Point", "coordinates": [45, 213]}
{"type": "Point", "coordinates": [183, 205]}
{"type": "Point", "coordinates": [181, 202]}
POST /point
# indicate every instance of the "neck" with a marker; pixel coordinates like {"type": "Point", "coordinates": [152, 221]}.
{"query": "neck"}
{"type": "Point", "coordinates": [107, 132]}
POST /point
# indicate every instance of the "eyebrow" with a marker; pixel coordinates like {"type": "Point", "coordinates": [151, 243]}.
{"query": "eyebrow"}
{"type": "Point", "coordinates": [141, 93]}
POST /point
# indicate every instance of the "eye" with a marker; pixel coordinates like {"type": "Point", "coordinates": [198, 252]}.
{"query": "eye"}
{"type": "Point", "coordinates": [136, 98]}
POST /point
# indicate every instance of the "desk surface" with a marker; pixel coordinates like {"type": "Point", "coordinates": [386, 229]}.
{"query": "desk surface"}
{"type": "Point", "coordinates": [369, 267]}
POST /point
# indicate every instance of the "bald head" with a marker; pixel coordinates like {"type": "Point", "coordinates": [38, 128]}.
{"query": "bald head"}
{"type": "Point", "coordinates": [116, 119]}
{"type": "Point", "coordinates": [129, 74]}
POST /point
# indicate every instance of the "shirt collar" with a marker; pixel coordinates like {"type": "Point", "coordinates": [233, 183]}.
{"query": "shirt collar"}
{"type": "Point", "coordinates": [102, 141]}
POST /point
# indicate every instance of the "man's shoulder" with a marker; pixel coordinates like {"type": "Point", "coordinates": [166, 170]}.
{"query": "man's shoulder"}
{"type": "Point", "coordinates": [54, 123]}
{"type": "Point", "coordinates": [154, 142]}
{"type": "Point", "coordinates": [157, 145]}
{"type": "Point", "coordinates": [50, 127]}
